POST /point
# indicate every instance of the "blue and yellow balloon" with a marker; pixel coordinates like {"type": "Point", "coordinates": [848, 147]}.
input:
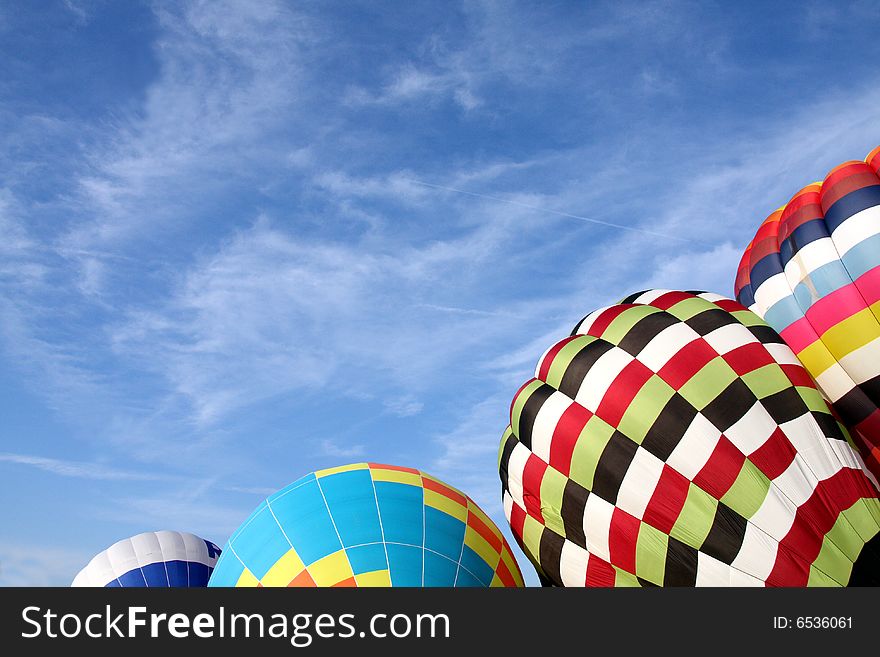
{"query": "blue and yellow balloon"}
{"type": "Point", "coordinates": [367, 525]}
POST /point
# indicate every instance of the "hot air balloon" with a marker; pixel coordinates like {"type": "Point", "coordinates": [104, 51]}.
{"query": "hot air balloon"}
{"type": "Point", "coordinates": [367, 525]}
{"type": "Point", "coordinates": [674, 440]}
{"type": "Point", "coordinates": [160, 559]}
{"type": "Point", "coordinates": [813, 273]}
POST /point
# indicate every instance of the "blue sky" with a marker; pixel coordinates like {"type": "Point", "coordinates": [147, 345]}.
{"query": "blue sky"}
{"type": "Point", "coordinates": [243, 241]}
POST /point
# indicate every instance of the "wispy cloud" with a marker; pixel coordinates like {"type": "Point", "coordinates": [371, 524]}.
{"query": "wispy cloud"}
{"type": "Point", "coordinates": [186, 488]}
{"type": "Point", "coordinates": [78, 469]}
{"type": "Point", "coordinates": [78, 10]}
{"type": "Point", "coordinates": [445, 79]}
{"type": "Point", "coordinates": [260, 491]}
{"type": "Point", "coordinates": [270, 313]}
{"type": "Point", "coordinates": [722, 200]}
{"type": "Point", "coordinates": [334, 450]}
{"type": "Point", "coordinates": [529, 206]}
{"type": "Point", "coordinates": [228, 73]}
{"type": "Point", "coordinates": [397, 186]}
{"type": "Point", "coordinates": [404, 406]}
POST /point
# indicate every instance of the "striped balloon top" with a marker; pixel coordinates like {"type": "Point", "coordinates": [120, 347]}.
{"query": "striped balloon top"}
{"type": "Point", "coordinates": [812, 272]}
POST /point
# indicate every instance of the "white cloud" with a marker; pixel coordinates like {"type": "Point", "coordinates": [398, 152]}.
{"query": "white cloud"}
{"type": "Point", "coordinates": [301, 158]}
{"type": "Point", "coordinates": [515, 46]}
{"type": "Point", "coordinates": [79, 12]}
{"type": "Point", "coordinates": [656, 82]}
{"type": "Point", "coordinates": [228, 73]}
{"type": "Point", "coordinates": [15, 238]}
{"type": "Point", "coordinates": [260, 491]}
{"type": "Point", "coordinates": [21, 263]}
{"type": "Point", "coordinates": [277, 302]}
{"type": "Point", "coordinates": [411, 84]}
{"type": "Point", "coordinates": [270, 313]}
{"type": "Point", "coordinates": [397, 186]}
{"type": "Point", "coordinates": [404, 406]}
{"type": "Point", "coordinates": [333, 449]}
{"type": "Point", "coordinates": [531, 201]}
{"type": "Point", "coordinates": [78, 469]}
{"type": "Point", "coordinates": [59, 372]}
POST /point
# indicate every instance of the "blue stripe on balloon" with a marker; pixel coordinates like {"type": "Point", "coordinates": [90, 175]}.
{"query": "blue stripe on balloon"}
{"type": "Point", "coordinates": [440, 571]}
{"type": "Point", "coordinates": [155, 575]}
{"type": "Point", "coordinates": [783, 313]}
{"type": "Point", "coordinates": [405, 564]}
{"type": "Point", "coordinates": [199, 574]}
{"type": "Point", "coordinates": [263, 544]}
{"type": "Point", "coordinates": [806, 233]}
{"type": "Point", "coordinates": [466, 579]}
{"type": "Point", "coordinates": [768, 266]}
{"type": "Point", "coordinates": [746, 296]}
{"type": "Point", "coordinates": [367, 558]}
{"type": "Point", "coordinates": [243, 526]}
{"type": "Point", "coordinates": [177, 573]}
{"type": "Point", "coordinates": [851, 204]}
{"type": "Point", "coordinates": [443, 533]}
{"type": "Point", "coordinates": [863, 257]}
{"type": "Point", "coordinates": [162, 574]}
{"type": "Point", "coordinates": [307, 521]}
{"type": "Point", "coordinates": [355, 514]}
{"type": "Point", "coordinates": [133, 578]}
{"type": "Point", "coordinates": [821, 282]}
{"type": "Point", "coordinates": [474, 563]}
{"type": "Point", "coordinates": [400, 505]}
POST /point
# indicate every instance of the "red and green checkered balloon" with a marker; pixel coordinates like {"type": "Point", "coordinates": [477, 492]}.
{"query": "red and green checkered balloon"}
{"type": "Point", "coordinates": [675, 440]}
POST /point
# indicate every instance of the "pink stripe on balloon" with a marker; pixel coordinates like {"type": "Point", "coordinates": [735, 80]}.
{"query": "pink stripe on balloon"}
{"type": "Point", "coordinates": [799, 335]}
{"type": "Point", "coordinates": [869, 285]}
{"type": "Point", "coordinates": [832, 309]}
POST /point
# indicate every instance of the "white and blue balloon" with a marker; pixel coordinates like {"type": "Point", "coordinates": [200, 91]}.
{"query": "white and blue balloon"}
{"type": "Point", "coordinates": [153, 559]}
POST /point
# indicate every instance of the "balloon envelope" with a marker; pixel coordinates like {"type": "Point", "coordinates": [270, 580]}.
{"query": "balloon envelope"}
{"type": "Point", "coordinates": [813, 273]}
{"type": "Point", "coordinates": [156, 559]}
{"type": "Point", "coordinates": [674, 439]}
{"type": "Point", "coordinates": [367, 525]}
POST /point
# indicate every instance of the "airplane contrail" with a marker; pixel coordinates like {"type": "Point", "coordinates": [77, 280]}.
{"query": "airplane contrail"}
{"type": "Point", "coordinates": [556, 212]}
